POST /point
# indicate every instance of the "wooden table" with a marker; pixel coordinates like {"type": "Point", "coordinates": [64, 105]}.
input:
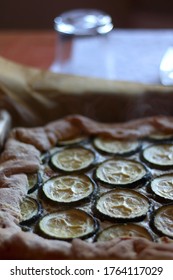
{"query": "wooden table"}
{"type": "Point", "coordinates": [33, 48]}
{"type": "Point", "coordinates": [135, 54]}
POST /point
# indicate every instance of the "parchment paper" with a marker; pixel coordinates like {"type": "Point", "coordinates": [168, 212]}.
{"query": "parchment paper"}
{"type": "Point", "coordinates": [33, 96]}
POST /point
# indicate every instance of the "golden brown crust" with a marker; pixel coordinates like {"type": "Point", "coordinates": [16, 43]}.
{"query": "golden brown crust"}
{"type": "Point", "coordinates": [133, 129]}
{"type": "Point", "coordinates": [18, 166]}
{"type": "Point", "coordinates": [12, 190]}
{"type": "Point", "coordinates": [17, 150]}
{"type": "Point", "coordinates": [123, 249]}
{"type": "Point", "coordinates": [15, 244]}
{"type": "Point", "coordinates": [21, 156]}
{"type": "Point", "coordinates": [43, 138]}
{"type": "Point", "coordinates": [26, 245]}
{"type": "Point", "coordinates": [34, 136]}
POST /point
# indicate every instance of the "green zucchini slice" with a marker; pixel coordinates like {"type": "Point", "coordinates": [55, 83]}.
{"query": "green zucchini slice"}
{"type": "Point", "coordinates": [68, 188]}
{"type": "Point", "coordinates": [121, 172]}
{"type": "Point", "coordinates": [35, 181]}
{"type": "Point", "coordinates": [123, 230]}
{"type": "Point", "coordinates": [160, 137]}
{"type": "Point", "coordinates": [72, 141]}
{"type": "Point", "coordinates": [163, 220]}
{"type": "Point", "coordinates": [73, 159]}
{"type": "Point", "coordinates": [31, 210]}
{"type": "Point", "coordinates": [45, 157]}
{"type": "Point", "coordinates": [162, 186]}
{"type": "Point", "coordinates": [159, 155]}
{"type": "Point", "coordinates": [112, 146]}
{"type": "Point", "coordinates": [122, 205]}
{"type": "Point", "coordinates": [68, 224]}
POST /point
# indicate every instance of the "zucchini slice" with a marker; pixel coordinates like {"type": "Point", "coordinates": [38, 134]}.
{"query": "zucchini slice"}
{"type": "Point", "coordinates": [121, 172]}
{"type": "Point", "coordinates": [123, 230]}
{"type": "Point", "coordinates": [68, 224]}
{"type": "Point", "coordinates": [31, 210]}
{"type": "Point", "coordinates": [73, 159]}
{"type": "Point", "coordinates": [45, 157]}
{"type": "Point", "coordinates": [122, 205]}
{"type": "Point", "coordinates": [162, 186]}
{"type": "Point", "coordinates": [160, 137]}
{"type": "Point", "coordinates": [68, 188]}
{"type": "Point", "coordinates": [117, 147]}
{"type": "Point", "coordinates": [163, 220]}
{"type": "Point", "coordinates": [159, 155]}
{"type": "Point", "coordinates": [35, 181]}
{"type": "Point", "coordinates": [72, 141]}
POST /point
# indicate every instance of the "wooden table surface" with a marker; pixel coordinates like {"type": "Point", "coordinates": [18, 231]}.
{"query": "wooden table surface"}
{"type": "Point", "coordinates": [32, 48]}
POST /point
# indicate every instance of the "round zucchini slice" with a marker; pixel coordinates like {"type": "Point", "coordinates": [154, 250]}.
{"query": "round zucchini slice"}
{"type": "Point", "coordinates": [31, 210]}
{"type": "Point", "coordinates": [163, 220]}
{"type": "Point", "coordinates": [123, 230]}
{"type": "Point", "coordinates": [159, 155]}
{"type": "Point", "coordinates": [68, 224]}
{"type": "Point", "coordinates": [72, 141]}
{"type": "Point", "coordinates": [122, 172]}
{"type": "Point", "coordinates": [73, 159]}
{"type": "Point", "coordinates": [160, 137]}
{"type": "Point", "coordinates": [68, 188]}
{"type": "Point", "coordinates": [112, 146]}
{"type": "Point", "coordinates": [122, 205]}
{"type": "Point", "coordinates": [45, 157]}
{"type": "Point", "coordinates": [35, 181]}
{"type": "Point", "coordinates": [162, 186]}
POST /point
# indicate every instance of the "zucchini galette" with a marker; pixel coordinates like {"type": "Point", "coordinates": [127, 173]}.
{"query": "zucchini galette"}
{"type": "Point", "coordinates": [79, 189]}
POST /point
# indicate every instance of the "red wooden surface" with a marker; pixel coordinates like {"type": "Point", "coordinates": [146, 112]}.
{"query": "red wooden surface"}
{"type": "Point", "coordinates": [32, 48]}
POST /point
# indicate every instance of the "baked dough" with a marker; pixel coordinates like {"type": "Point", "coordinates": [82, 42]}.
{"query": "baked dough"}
{"type": "Point", "coordinates": [21, 156]}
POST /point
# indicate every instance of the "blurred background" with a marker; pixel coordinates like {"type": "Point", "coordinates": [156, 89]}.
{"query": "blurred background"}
{"type": "Point", "coordinates": [27, 36]}
{"type": "Point", "coordinates": [39, 14]}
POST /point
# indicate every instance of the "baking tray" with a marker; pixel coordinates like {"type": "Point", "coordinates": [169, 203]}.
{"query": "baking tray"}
{"type": "Point", "coordinates": [33, 97]}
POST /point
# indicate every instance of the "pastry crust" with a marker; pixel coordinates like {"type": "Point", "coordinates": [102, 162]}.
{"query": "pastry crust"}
{"type": "Point", "coordinates": [21, 156]}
